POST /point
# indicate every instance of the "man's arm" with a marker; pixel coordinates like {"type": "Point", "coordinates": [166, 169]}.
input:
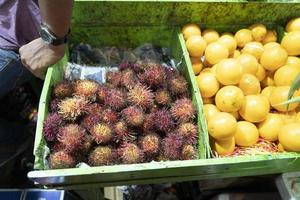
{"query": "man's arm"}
{"type": "Point", "coordinates": [37, 55]}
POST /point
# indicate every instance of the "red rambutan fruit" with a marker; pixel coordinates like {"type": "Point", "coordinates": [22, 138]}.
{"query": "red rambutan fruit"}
{"type": "Point", "coordinates": [163, 97]}
{"type": "Point", "coordinates": [71, 136]}
{"type": "Point", "coordinates": [149, 122]}
{"type": "Point", "coordinates": [101, 155]}
{"type": "Point", "coordinates": [101, 93]}
{"type": "Point", "coordinates": [86, 88]}
{"type": "Point", "coordinates": [150, 144]}
{"type": "Point", "coordinates": [57, 147]}
{"type": "Point", "coordinates": [154, 76]}
{"type": "Point", "coordinates": [90, 120]}
{"type": "Point", "coordinates": [124, 65]}
{"type": "Point", "coordinates": [189, 132]}
{"type": "Point", "coordinates": [188, 152]}
{"type": "Point", "coordinates": [121, 131]}
{"type": "Point", "coordinates": [183, 110]}
{"type": "Point", "coordinates": [171, 146]}
{"type": "Point", "coordinates": [61, 160]}
{"type": "Point", "coordinates": [130, 153]}
{"type": "Point", "coordinates": [87, 144]}
{"type": "Point", "coordinates": [133, 115]}
{"type": "Point", "coordinates": [73, 107]}
{"type": "Point", "coordinates": [154, 109]}
{"type": "Point", "coordinates": [53, 106]}
{"type": "Point", "coordinates": [63, 89]}
{"type": "Point", "coordinates": [161, 157]}
{"type": "Point", "coordinates": [114, 78]}
{"type": "Point", "coordinates": [163, 120]}
{"type": "Point", "coordinates": [140, 65]}
{"type": "Point", "coordinates": [94, 108]}
{"type": "Point", "coordinates": [183, 95]}
{"type": "Point", "coordinates": [116, 99]}
{"type": "Point", "coordinates": [140, 96]}
{"type": "Point", "coordinates": [171, 72]}
{"type": "Point", "coordinates": [51, 126]}
{"type": "Point", "coordinates": [128, 79]}
{"type": "Point", "coordinates": [109, 116]}
{"type": "Point", "coordinates": [101, 133]}
{"type": "Point", "coordinates": [177, 85]}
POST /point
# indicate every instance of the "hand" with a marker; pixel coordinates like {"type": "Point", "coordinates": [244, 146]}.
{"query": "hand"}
{"type": "Point", "coordinates": [36, 56]}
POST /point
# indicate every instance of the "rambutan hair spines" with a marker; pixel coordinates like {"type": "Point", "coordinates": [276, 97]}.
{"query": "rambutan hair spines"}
{"type": "Point", "coordinates": [130, 153]}
{"type": "Point", "coordinates": [141, 96]}
{"type": "Point", "coordinates": [71, 136]}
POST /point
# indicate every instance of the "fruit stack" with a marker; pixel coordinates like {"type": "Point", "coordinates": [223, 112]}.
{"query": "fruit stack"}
{"type": "Point", "coordinates": [243, 79]}
{"type": "Point", "coordinates": [142, 113]}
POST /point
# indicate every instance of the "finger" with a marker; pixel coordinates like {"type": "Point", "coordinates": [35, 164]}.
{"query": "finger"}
{"type": "Point", "coordinates": [23, 61]}
{"type": "Point", "coordinates": [40, 74]}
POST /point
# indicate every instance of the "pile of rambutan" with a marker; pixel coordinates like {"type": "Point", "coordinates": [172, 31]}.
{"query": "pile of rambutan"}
{"type": "Point", "coordinates": [142, 113]}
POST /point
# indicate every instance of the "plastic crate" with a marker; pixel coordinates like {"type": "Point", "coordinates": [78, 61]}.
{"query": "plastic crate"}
{"type": "Point", "coordinates": [131, 23]}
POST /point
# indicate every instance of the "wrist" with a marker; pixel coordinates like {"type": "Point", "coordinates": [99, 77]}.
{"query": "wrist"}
{"type": "Point", "coordinates": [51, 38]}
{"type": "Point", "coordinates": [59, 49]}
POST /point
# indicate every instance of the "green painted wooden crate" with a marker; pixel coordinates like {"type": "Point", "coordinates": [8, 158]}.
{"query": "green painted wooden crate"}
{"type": "Point", "coordinates": [131, 23]}
{"type": "Point", "coordinates": [166, 36]}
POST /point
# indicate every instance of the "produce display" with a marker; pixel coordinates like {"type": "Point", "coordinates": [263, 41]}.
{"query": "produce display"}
{"type": "Point", "coordinates": [142, 113]}
{"type": "Point", "coordinates": [244, 78]}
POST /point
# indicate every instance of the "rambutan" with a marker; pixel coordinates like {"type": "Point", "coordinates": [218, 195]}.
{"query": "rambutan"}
{"type": "Point", "coordinates": [128, 79]}
{"type": "Point", "coordinates": [51, 126]}
{"type": "Point", "coordinates": [154, 108]}
{"type": "Point", "coordinates": [63, 89]}
{"type": "Point", "coordinates": [133, 115]}
{"type": "Point", "coordinates": [87, 144]}
{"type": "Point", "coordinates": [109, 116]}
{"type": "Point", "coordinates": [171, 146]}
{"type": "Point", "coordinates": [177, 85]}
{"type": "Point", "coordinates": [163, 97]}
{"type": "Point", "coordinates": [150, 144]}
{"type": "Point", "coordinates": [188, 152]}
{"type": "Point", "coordinates": [101, 133]}
{"type": "Point", "coordinates": [73, 107]}
{"type": "Point", "coordinates": [189, 132]}
{"type": "Point", "coordinates": [101, 155]}
{"type": "Point", "coordinates": [114, 78]}
{"type": "Point", "coordinates": [161, 157]}
{"type": "Point", "coordinates": [124, 65]}
{"type": "Point", "coordinates": [90, 120]}
{"type": "Point", "coordinates": [121, 131]}
{"type": "Point", "coordinates": [61, 160]}
{"type": "Point", "coordinates": [183, 110]}
{"type": "Point", "coordinates": [53, 106]}
{"type": "Point", "coordinates": [94, 108]}
{"type": "Point", "coordinates": [130, 153]}
{"type": "Point", "coordinates": [163, 120]}
{"type": "Point", "coordinates": [154, 76]}
{"type": "Point", "coordinates": [171, 72]}
{"type": "Point", "coordinates": [86, 88]}
{"type": "Point", "coordinates": [116, 99]}
{"type": "Point", "coordinates": [183, 95]}
{"type": "Point", "coordinates": [101, 93]}
{"type": "Point", "coordinates": [141, 96]}
{"type": "Point", "coordinates": [140, 65]}
{"type": "Point", "coordinates": [149, 122]}
{"type": "Point", "coordinates": [57, 147]}
{"type": "Point", "coordinates": [71, 136]}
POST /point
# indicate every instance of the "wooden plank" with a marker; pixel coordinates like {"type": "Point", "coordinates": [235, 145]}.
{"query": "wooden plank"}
{"type": "Point", "coordinates": [172, 170]}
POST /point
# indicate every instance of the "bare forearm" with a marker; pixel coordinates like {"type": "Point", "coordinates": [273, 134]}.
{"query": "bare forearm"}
{"type": "Point", "coordinates": [56, 14]}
